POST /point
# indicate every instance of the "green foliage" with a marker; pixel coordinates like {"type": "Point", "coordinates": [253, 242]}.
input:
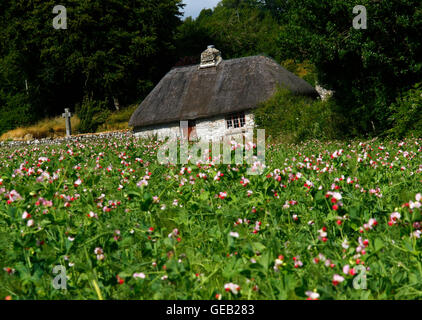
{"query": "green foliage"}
{"type": "Point", "coordinates": [84, 197]}
{"type": "Point", "coordinates": [290, 118]}
{"type": "Point", "coordinates": [306, 70]}
{"type": "Point", "coordinates": [92, 114]}
{"type": "Point", "coordinates": [367, 69]}
{"type": "Point", "coordinates": [406, 113]}
{"type": "Point", "coordinates": [111, 48]}
{"type": "Point", "coordinates": [122, 115]}
{"type": "Point", "coordinates": [237, 28]}
{"type": "Point", "coordinates": [16, 111]}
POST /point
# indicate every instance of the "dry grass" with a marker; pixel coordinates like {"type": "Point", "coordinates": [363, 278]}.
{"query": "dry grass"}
{"type": "Point", "coordinates": [47, 128]}
{"type": "Point", "coordinates": [56, 127]}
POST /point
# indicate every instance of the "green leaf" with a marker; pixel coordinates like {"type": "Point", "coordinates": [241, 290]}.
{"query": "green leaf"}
{"type": "Point", "coordinates": [378, 244]}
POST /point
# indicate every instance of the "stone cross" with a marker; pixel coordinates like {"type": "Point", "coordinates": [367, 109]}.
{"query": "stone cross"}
{"type": "Point", "coordinates": [67, 115]}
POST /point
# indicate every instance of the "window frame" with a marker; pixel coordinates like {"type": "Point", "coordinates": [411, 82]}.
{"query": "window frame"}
{"type": "Point", "coordinates": [235, 120]}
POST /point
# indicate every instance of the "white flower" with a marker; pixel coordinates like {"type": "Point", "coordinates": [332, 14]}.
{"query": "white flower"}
{"type": "Point", "coordinates": [278, 263]}
{"type": "Point", "coordinates": [93, 215]}
{"type": "Point", "coordinates": [395, 216]}
{"type": "Point", "coordinates": [312, 295]}
{"type": "Point", "coordinates": [345, 244]}
{"type": "Point", "coordinates": [234, 234]}
{"type": "Point", "coordinates": [234, 288]}
{"type": "Point", "coordinates": [337, 278]}
{"type": "Point", "coordinates": [25, 215]}
{"type": "Point", "coordinates": [413, 205]}
{"type": "Point", "coordinates": [336, 195]}
{"type": "Point", "coordinates": [174, 233]}
{"type": "Point", "coordinates": [322, 233]}
{"type": "Point", "coordinates": [372, 222]}
{"type": "Point", "coordinates": [30, 223]}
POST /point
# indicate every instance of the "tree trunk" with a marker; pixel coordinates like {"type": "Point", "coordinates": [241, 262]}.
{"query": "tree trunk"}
{"type": "Point", "coordinates": [116, 103]}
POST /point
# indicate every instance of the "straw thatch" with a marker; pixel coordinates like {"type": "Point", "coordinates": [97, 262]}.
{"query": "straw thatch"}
{"type": "Point", "coordinates": [189, 93]}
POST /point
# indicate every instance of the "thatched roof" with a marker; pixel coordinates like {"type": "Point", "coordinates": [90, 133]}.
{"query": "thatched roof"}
{"type": "Point", "coordinates": [189, 93]}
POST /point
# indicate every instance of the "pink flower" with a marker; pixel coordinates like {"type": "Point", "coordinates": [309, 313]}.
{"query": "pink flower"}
{"type": "Point", "coordinates": [337, 279]}
{"type": "Point", "coordinates": [142, 183]}
{"type": "Point", "coordinates": [346, 269]}
{"type": "Point", "coordinates": [13, 196]}
{"type": "Point", "coordinates": [140, 275]}
{"type": "Point", "coordinates": [77, 183]}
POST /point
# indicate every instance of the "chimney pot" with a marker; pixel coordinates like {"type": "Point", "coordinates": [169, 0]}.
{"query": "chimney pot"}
{"type": "Point", "coordinates": [210, 57]}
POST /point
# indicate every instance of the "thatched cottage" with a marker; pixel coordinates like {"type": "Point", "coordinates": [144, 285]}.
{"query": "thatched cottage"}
{"type": "Point", "coordinates": [215, 98]}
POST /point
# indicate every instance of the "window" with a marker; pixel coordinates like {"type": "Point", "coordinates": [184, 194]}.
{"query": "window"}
{"type": "Point", "coordinates": [236, 120]}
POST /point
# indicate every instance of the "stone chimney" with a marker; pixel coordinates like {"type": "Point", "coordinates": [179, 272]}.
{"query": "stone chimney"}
{"type": "Point", "coordinates": [210, 57]}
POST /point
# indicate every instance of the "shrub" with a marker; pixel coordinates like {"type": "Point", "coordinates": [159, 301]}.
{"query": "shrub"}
{"type": "Point", "coordinates": [406, 113]}
{"type": "Point", "coordinates": [16, 112]}
{"type": "Point", "coordinates": [92, 114]}
{"type": "Point", "coordinates": [305, 70]}
{"type": "Point", "coordinates": [291, 118]}
{"type": "Point", "coordinates": [118, 120]}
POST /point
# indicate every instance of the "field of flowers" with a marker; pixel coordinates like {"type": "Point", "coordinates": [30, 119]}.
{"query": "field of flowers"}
{"type": "Point", "coordinates": [324, 221]}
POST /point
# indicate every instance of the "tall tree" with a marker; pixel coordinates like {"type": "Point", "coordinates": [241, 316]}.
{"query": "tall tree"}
{"type": "Point", "coordinates": [237, 28]}
{"type": "Point", "coordinates": [367, 68]}
{"type": "Point", "coordinates": [111, 49]}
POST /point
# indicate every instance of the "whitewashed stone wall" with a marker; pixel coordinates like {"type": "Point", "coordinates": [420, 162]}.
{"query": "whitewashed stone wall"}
{"type": "Point", "coordinates": [214, 128]}
{"type": "Point", "coordinates": [171, 130]}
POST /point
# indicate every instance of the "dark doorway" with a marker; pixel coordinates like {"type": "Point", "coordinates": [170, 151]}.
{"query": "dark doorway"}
{"type": "Point", "coordinates": [191, 130]}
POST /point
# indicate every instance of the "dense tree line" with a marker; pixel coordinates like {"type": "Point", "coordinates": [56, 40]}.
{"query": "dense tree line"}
{"type": "Point", "coordinates": [112, 51]}
{"type": "Point", "coordinates": [367, 68]}
{"type": "Point", "coordinates": [116, 50]}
